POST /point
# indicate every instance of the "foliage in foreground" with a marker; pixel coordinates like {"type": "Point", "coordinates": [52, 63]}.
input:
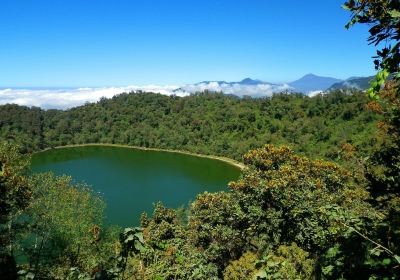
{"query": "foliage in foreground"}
{"type": "Point", "coordinates": [64, 225]}
{"type": "Point", "coordinates": [15, 195]}
{"type": "Point", "coordinates": [383, 166]}
{"type": "Point", "coordinates": [49, 225]}
{"type": "Point", "coordinates": [288, 217]}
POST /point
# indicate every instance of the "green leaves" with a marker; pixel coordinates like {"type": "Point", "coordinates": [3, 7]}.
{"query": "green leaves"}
{"type": "Point", "coordinates": [394, 13]}
{"type": "Point", "coordinates": [346, 7]}
{"type": "Point", "coordinates": [132, 240]}
{"type": "Point", "coordinates": [382, 167]}
{"type": "Point", "coordinates": [287, 262]}
{"type": "Point", "coordinates": [262, 274]}
{"type": "Point", "coordinates": [64, 224]}
{"type": "Point", "coordinates": [310, 199]}
{"type": "Point", "coordinates": [377, 83]}
{"type": "Point", "coordinates": [15, 196]}
{"type": "Point", "coordinates": [383, 17]}
{"type": "Point", "coordinates": [386, 262]}
{"type": "Point", "coordinates": [333, 251]}
{"type": "Point", "coordinates": [327, 270]}
{"type": "Point", "coordinates": [26, 275]}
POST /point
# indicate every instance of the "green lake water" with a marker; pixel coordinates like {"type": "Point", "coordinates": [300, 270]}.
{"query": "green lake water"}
{"type": "Point", "coordinates": [131, 180]}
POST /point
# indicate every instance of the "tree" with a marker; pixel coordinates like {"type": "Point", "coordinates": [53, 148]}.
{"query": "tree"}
{"type": "Point", "coordinates": [64, 226]}
{"type": "Point", "coordinates": [15, 196]}
{"type": "Point", "coordinates": [383, 165]}
{"type": "Point", "coordinates": [281, 198]}
{"type": "Point", "coordinates": [384, 18]}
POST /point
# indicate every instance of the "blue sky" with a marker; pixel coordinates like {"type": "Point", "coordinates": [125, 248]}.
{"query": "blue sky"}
{"type": "Point", "coordinates": [127, 42]}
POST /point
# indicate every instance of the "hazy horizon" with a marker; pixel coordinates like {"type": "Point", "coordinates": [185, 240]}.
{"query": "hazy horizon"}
{"type": "Point", "coordinates": [68, 97]}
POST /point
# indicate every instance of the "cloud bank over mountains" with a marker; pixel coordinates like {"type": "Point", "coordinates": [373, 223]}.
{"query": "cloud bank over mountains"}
{"type": "Point", "coordinates": [240, 89]}
{"type": "Point", "coordinates": [50, 98]}
{"type": "Point", "coordinates": [72, 97]}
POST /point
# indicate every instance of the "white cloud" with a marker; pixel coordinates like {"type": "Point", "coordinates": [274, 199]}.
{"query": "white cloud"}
{"type": "Point", "coordinates": [314, 93]}
{"type": "Point", "coordinates": [258, 90]}
{"type": "Point", "coordinates": [68, 98]}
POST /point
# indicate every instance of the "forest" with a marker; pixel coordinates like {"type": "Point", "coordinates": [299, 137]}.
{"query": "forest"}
{"type": "Point", "coordinates": [318, 197]}
{"type": "Point", "coordinates": [205, 123]}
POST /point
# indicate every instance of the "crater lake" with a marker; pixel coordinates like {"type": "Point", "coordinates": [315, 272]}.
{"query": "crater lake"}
{"type": "Point", "coordinates": [131, 180]}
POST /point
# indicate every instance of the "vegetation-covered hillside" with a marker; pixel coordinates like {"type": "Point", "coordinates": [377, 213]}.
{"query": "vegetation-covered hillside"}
{"type": "Point", "coordinates": [207, 123]}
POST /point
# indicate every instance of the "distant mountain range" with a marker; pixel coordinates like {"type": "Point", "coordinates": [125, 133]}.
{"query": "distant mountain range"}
{"type": "Point", "coordinates": [62, 98]}
{"type": "Point", "coordinates": [309, 84]}
{"type": "Point", "coordinates": [246, 81]}
{"type": "Point", "coordinates": [245, 87]}
{"type": "Point", "coordinates": [312, 83]}
{"type": "Point", "coordinates": [353, 82]}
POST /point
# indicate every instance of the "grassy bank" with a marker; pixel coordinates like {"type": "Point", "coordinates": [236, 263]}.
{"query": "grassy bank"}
{"type": "Point", "coordinates": [224, 159]}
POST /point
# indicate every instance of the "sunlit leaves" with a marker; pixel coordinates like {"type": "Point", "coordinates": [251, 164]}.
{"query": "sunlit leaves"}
{"type": "Point", "coordinates": [377, 83]}
{"type": "Point", "coordinates": [63, 219]}
{"type": "Point", "coordinates": [384, 18]}
{"type": "Point", "coordinates": [15, 196]}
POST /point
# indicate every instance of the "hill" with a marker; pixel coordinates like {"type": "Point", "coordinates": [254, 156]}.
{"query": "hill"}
{"type": "Point", "coordinates": [206, 123]}
{"type": "Point", "coordinates": [361, 83]}
{"type": "Point", "coordinates": [311, 82]}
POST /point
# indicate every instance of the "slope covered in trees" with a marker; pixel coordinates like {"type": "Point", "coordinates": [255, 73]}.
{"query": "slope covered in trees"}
{"type": "Point", "coordinates": [207, 123]}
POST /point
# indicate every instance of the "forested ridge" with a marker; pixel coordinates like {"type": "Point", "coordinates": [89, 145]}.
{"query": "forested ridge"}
{"type": "Point", "coordinates": [325, 205]}
{"type": "Point", "coordinates": [206, 123]}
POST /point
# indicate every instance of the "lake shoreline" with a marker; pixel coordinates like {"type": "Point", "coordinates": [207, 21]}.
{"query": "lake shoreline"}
{"type": "Point", "coordinates": [230, 161]}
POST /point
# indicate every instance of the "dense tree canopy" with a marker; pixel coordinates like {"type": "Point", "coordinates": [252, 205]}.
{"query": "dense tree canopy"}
{"type": "Point", "coordinates": [208, 123]}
